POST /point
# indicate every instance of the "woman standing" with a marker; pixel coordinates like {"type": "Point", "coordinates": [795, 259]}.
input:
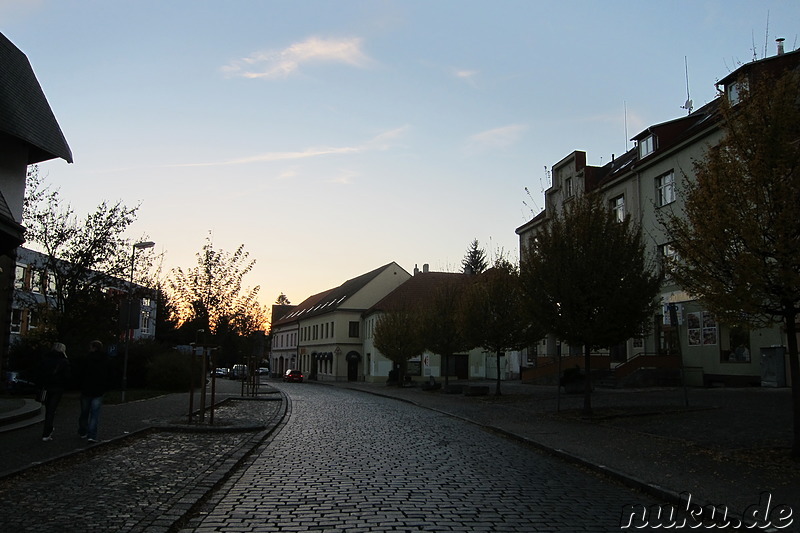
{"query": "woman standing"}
{"type": "Point", "coordinates": [54, 378]}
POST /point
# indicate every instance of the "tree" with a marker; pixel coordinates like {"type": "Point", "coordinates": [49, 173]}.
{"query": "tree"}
{"type": "Point", "coordinates": [737, 239]}
{"type": "Point", "coordinates": [84, 258]}
{"type": "Point", "coordinates": [282, 300]}
{"type": "Point", "coordinates": [210, 297]}
{"type": "Point", "coordinates": [474, 261]}
{"type": "Point", "coordinates": [442, 330]}
{"type": "Point", "coordinates": [587, 279]}
{"type": "Point", "coordinates": [397, 337]}
{"type": "Point", "coordinates": [492, 315]}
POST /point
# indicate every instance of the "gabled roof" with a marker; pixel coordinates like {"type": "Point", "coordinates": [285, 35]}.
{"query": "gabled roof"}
{"type": "Point", "coordinates": [332, 299]}
{"type": "Point", "coordinates": [24, 111]}
{"type": "Point", "coordinates": [417, 290]}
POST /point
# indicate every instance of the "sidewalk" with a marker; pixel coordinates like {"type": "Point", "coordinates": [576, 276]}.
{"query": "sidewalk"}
{"type": "Point", "coordinates": [726, 448]}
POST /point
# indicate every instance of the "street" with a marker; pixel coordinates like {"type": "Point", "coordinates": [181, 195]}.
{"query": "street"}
{"type": "Point", "coordinates": [349, 461]}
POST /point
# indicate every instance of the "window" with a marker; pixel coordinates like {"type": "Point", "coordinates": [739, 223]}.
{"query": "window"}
{"type": "Point", "coordinates": [16, 320]}
{"type": "Point", "coordinates": [353, 329]}
{"type": "Point", "coordinates": [647, 146]}
{"type": "Point", "coordinates": [568, 187]}
{"type": "Point", "coordinates": [734, 91]}
{"type": "Point", "coordinates": [666, 256]}
{"type": "Point", "coordinates": [33, 319]}
{"type": "Point", "coordinates": [51, 284]}
{"type": "Point", "coordinates": [36, 280]}
{"type": "Point", "coordinates": [665, 189]}
{"type": "Point", "coordinates": [618, 207]}
{"type": "Point", "coordinates": [145, 322]}
{"type": "Point", "coordinates": [19, 277]}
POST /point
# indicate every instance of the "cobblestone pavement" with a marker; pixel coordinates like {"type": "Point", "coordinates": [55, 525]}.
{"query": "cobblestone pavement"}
{"type": "Point", "coordinates": [145, 482]}
{"type": "Point", "coordinates": [346, 461]}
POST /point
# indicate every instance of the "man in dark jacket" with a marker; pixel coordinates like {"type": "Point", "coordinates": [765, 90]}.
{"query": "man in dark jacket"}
{"type": "Point", "coordinates": [93, 380]}
{"type": "Point", "coordinates": [54, 375]}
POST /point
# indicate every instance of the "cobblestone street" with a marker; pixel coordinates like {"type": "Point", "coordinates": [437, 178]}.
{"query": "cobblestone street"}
{"type": "Point", "coordinates": [347, 461]}
{"type": "Point", "coordinates": [144, 483]}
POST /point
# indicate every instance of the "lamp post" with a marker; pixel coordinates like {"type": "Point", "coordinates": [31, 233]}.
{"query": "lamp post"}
{"type": "Point", "coordinates": [137, 246]}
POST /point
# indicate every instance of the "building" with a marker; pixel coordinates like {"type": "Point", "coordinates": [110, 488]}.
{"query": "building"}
{"type": "Point", "coordinates": [34, 291]}
{"type": "Point", "coordinates": [323, 335]}
{"type": "Point", "coordinates": [414, 294]}
{"type": "Point", "coordinates": [29, 134]}
{"type": "Point", "coordinates": [642, 182]}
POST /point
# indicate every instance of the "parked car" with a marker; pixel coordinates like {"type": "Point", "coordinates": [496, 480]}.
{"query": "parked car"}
{"type": "Point", "coordinates": [239, 372]}
{"type": "Point", "coordinates": [293, 375]}
{"type": "Point", "coordinates": [20, 382]}
{"type": "Point", "coordinates": [221, 372]}
{"type": "Point", "coordinates": [263, 371]}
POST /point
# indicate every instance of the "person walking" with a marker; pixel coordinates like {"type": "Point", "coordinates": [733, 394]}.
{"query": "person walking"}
{"type": "Point", "coordinates": [93, 380]}
{"type": "Point", "coordinates": [54, 378]}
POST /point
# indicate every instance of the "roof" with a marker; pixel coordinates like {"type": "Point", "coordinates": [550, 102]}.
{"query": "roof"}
{"type": "Point", "coordinates": [769, 65]}
{"type": "Point", "coordinates": [24, 111]}
{"type": "Point", "coordinates": [417, 290]}
{"type": "Point", "coordinates": [331, 299]}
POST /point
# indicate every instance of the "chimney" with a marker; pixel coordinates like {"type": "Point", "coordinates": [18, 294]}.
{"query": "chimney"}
{"type": "Point", "coordinates": [780, 45]}
{"type": "Point", "coordinates": [416, 270]}
{"type": "Point", "coordinates": [425, 268]}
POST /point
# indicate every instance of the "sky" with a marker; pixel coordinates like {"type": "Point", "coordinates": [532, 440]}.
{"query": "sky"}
{"type": "Point", "coordinates": [333, 137]}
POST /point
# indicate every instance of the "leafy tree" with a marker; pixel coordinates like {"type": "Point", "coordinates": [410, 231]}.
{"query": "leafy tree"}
{"type": "Point", "coordinates": [474, 261]}
{"type": "Point", "coordinates": [492, 314]}
{"type": "Point", "coordinates": [210, 297]}
{"type": "Point", "coordinates": [587, 279]}
{"type": "Point", "coordinates": [85, 257]}
{"type": "Point", "coordinates": [397, 337]}
{"type": "Point", "coordinates": [737, 239]}
{"type": "Point", "coordinates": [282, 300]}
{"type": "Point", "coordinates": [442, 329]}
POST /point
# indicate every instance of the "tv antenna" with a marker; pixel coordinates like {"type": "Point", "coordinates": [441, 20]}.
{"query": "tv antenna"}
{"type": "Point", "coordinates": [688, 105]}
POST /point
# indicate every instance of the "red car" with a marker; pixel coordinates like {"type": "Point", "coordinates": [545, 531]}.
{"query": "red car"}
{"type": "Point", "coordinates": [293, 375]}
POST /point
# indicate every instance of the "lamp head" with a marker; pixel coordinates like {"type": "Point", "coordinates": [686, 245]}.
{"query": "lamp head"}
{"type": "Point", "coordinates": [143, 245]}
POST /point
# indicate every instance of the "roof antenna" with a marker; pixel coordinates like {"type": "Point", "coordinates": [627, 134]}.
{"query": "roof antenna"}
{"type": "Point", "coordinates": [625, 113]}
{"type": "Point", "coordinates": [688, 104]}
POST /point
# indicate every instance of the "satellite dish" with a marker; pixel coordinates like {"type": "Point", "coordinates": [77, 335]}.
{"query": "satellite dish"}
{"type": "Point", "coordinates": [688, 105]}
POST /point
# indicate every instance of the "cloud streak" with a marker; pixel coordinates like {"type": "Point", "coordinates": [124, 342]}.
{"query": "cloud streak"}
{"type": "Point", "coordinates": [501, 137]}
{"type": "Point", "coordinates": [382, 141]}
{"type": "Point", "coordinates": [275, 64]}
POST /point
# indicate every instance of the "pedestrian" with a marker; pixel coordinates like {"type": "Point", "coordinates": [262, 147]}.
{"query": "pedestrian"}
{"type": "Point", "coordinates": [54, 374]}
{"type": "Point", "coordinates": [93, 379]}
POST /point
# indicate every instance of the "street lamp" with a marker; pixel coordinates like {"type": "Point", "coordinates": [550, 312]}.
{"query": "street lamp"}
{"type": "Point", "coordinates": [137, 246]}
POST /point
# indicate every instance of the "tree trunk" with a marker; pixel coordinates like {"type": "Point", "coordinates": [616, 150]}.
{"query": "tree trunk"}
{"type": "Point", "coordinates": [587, 382]}
{"type": "Point", "coordinates": [497, 389]}
{"type": "Point", "coordinates": [446, 367]}
{"type": "Point", "coordinates": [794, 373]}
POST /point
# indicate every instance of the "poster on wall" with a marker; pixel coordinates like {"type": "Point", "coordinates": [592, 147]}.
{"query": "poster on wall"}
{"type": "Point", "coordinates": [702, 329]}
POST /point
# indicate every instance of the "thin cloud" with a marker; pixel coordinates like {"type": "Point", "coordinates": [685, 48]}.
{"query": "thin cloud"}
{"type": "Point", "coordinates": [273, 64]}
{"type": "Point", "coordinates": [382, 141]}
{"type": "Point", "coordinates": [497, 137]}
{"type": "Point", "coordinates": [466, 75]}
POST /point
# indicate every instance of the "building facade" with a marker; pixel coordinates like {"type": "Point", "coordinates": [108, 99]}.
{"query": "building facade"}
{"type": "Point", "coordinates": [647, 182]}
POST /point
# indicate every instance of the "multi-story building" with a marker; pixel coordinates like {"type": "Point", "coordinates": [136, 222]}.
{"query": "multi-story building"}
{"type": "Point", "coordinates": [323, 336]}
{"type": "Point", "coordinates": [644, 183]}
{"type": "Point", "coordinates": [34, 291]}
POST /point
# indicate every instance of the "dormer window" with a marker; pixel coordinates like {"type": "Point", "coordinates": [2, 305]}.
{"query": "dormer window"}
{"type": "Point", "coordinates": [734, 91]}
{"type": "Point", "coordinates": [647, 146]}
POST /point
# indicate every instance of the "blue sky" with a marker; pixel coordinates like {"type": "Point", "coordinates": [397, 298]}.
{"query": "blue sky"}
{"type": "Point", "coordinates": [332, 137]}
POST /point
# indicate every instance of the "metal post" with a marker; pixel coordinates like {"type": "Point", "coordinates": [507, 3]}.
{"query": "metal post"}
{"type": "Point", "coordinates": [128, 329]}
